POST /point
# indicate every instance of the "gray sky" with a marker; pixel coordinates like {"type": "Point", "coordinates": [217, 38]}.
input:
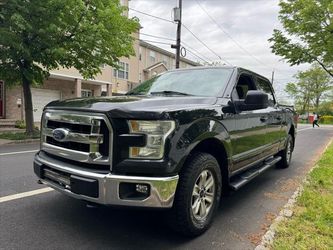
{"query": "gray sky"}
{"type": "Point", "coordinates": [239, 35]}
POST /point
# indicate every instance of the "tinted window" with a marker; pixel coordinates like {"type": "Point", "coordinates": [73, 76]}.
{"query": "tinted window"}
{"type": "Point", "coordinates": [265, 86]}
{"type": "Point", "coordinates": [199, 82]}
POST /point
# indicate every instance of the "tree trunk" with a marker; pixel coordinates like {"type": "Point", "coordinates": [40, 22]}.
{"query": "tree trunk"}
{"type": "Point", "coordinates": [317, 102]}
{"type": "Point", "coordinates": [303, 107]}
{"type": "Point", "coordinates": [29, 116]}
{"type": "Point", "coordinates": [308, 108]}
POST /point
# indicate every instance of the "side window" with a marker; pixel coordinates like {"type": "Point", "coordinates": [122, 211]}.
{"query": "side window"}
{"type": "Point", "coordinates": [244, 84]}
{"type": "Point", "coordinates": [265, 86]}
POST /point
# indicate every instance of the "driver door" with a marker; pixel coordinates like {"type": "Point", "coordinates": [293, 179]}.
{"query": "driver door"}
{"type": "Point", "coordinates": [248, 135]}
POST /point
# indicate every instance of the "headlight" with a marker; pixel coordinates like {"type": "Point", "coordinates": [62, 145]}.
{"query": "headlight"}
{"type": "Point", "coordinates": [157, 132]}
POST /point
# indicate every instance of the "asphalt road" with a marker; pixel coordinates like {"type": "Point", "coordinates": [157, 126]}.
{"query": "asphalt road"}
{"type": "Point", "coordinates": [54, 221]}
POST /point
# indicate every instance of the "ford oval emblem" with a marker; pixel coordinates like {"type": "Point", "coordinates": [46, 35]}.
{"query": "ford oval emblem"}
{"type": "Point", "coordinates": [60, 134]}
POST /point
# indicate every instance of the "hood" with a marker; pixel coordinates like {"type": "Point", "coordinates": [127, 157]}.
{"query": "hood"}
{"type": "Point", "coordinates": [147, 107]}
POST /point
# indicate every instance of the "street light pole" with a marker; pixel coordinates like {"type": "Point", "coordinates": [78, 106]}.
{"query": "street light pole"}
{"type": "Point", "coordinates": [178, 19]}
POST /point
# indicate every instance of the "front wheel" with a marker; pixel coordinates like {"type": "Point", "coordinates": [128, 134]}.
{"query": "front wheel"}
{"type": "Point", "coordinates": [286, 153]}
{"type": "Point", "coordinates": [198, 195]}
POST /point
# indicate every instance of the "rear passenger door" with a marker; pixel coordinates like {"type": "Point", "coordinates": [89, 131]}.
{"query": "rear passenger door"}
{"type": "Point", "coordinates": [274, 118]}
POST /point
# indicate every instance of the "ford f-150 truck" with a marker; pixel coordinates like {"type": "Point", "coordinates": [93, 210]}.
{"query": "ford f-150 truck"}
{"type": "Point", "coordinates": [177, 141]}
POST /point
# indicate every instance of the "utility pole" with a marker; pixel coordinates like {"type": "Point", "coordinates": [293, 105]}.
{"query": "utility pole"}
{"type": "Point", "coordinates": [272, 76]}
{"type": "Point", "coordinates": [178, 19]}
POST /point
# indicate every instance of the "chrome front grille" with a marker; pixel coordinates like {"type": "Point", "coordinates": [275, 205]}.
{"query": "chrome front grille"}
{"type": "Point", "coordinates": [77, 136]}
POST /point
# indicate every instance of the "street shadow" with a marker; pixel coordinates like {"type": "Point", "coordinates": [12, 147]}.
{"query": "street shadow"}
{"type": "Point", "coordinates": [120, 227]}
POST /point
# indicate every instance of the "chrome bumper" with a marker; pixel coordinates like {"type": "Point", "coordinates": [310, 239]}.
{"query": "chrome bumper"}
{"type": "Point", "coordinates": [162, 189]}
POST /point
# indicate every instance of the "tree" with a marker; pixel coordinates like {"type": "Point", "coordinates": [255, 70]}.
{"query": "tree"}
{"type": "Point", "coordinates": [38, 36]}
{"type": "Point", "coordinates": [326, 108]}
{"type": "Point", "coordinates": [311, 87]}
{"type": "Point", "coordinates": [308, 33]}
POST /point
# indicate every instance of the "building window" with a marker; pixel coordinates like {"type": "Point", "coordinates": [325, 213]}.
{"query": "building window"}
{"type": "Point", "coordinates": [140, 53]}
{"type": "Point", "coordinates": [152, 56]}
{"type": "Point", "coordinates": [122, 72]}
{"type": "Point", "coordinates": [86, 93]}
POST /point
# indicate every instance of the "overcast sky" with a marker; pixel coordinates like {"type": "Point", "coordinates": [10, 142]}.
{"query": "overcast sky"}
{"type": "Point", "coordinates": [239, 35]}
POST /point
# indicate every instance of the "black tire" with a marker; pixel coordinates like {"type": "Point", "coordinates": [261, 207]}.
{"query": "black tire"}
{"type": "Point", "coordinates": [182, 218]}
{"type": "Point", "coordinates": [286, 157]}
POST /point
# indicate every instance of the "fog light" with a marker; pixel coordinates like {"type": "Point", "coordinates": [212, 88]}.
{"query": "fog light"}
{"type": "Point", "coordinates": [133, 191]}
{"type": "Point", "coordinates": [142, 188]}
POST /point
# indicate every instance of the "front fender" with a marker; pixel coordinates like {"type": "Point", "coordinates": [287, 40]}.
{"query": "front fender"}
{"type": "Point", "coordinates": [197, 132]}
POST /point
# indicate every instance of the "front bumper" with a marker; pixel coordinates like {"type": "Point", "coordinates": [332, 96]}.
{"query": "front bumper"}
{"type": "Point", "coordinates": [103, 188]}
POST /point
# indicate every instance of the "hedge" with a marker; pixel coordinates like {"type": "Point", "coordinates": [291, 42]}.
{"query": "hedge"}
{"type": "Point", "coordinates": [326, 119]}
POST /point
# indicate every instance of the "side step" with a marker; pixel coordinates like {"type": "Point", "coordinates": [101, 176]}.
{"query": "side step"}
{"type": "Point", "coordinates": [248, 175]}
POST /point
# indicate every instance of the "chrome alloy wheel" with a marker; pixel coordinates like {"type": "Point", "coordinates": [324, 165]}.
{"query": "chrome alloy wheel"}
{"type": "Point", "coordinates": [289, 151]}
{"type": "Point", "coordinates": [203, 195]}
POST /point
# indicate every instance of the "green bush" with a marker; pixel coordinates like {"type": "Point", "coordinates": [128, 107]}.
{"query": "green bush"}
{"type": "Point", "coordinates": [326, 119]}
{"type": "Point", "coordinates": [20, 124]}
{"type": "Point", "coordinates": [19, 135]}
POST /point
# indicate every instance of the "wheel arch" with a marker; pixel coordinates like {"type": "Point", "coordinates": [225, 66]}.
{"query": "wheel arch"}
{"type": "Point", "coordinates": [292, 133]}
{"type": "Point", "coordinates": [217, 149]}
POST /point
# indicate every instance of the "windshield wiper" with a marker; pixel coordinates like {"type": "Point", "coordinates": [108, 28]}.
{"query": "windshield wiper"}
{"type": "Point", "coordinates": [168, 92]}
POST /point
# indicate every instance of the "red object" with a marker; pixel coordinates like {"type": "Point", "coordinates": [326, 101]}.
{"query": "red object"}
{"type": "Point", "coordinates": [311, 118]}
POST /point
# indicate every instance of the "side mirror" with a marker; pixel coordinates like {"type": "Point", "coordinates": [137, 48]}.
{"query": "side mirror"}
{"type": "Point", "coordinates": [254, 99]}
{"type": "Point", "coordinates": [229, 109]}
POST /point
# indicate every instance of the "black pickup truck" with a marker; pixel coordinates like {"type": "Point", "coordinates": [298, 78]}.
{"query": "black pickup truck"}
{"type": "Point", "coordinates": [177, 141]}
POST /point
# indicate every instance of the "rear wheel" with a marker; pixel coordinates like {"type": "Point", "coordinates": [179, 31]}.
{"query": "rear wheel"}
{"type": "Point", "coordinates": [286, 153]}
{"type": "Point", "coordinates": [198, 195]}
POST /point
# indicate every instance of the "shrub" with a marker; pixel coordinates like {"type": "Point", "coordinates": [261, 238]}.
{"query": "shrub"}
{"type": "Point", "coordinates": [326, 119]}
{"type": "Point", "coordinates": [20, 124]}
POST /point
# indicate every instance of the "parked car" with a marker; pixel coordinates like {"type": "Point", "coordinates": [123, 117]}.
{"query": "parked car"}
{"type": "Point", "coordinates": [175, 142]}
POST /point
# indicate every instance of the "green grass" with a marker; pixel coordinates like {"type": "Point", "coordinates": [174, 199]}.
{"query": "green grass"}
{"type": "Point", "coordinates": [311, 227]}
{"type": "Point", "coordinates": [18, 136]}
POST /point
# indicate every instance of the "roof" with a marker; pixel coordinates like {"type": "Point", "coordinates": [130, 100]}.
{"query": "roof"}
{"type": "Point", "coordinates": [168, 53]}
{"type": "Point", "coordinates": [206, 67]}
{"type": "Point", "coordinates": [155, 66]}
{"type": "Point", "coordinates": [223, 67]}
{"type": "Point", "coordinates": [73, 77]}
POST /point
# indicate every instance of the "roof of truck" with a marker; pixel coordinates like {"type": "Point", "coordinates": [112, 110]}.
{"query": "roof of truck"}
{"type": "Point", "coordinates": [220, 67]}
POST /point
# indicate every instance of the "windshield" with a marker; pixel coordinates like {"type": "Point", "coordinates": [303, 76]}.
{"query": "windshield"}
{"type": "Point", "coordinates": [198, 82]}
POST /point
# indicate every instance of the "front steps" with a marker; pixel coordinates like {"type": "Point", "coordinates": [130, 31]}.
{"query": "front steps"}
{"type": "Point", "coordinates": [8, 125]}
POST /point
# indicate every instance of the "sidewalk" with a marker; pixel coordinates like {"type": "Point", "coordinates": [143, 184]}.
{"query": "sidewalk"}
{"type": "Point", "coordinates": [310, 125]}
{"type": "Point", "coordinates": [6, 142]}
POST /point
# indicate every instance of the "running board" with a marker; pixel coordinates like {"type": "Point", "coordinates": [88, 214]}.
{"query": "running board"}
{"type": "Point", "coordinates": [248, 175]}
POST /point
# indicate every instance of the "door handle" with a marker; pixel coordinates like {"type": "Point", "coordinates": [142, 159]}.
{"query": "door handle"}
{"type": "Point", "coordinates": [263, 118]}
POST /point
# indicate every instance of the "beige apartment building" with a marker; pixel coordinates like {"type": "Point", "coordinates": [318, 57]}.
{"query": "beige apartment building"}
{"type": "Point", "coordinates": [63, 83]}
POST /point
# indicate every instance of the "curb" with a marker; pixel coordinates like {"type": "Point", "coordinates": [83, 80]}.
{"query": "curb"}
{"type": "Point", "coordinates": [286, 212]}
{"type": "Point", "coordinates": [21, 141]}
